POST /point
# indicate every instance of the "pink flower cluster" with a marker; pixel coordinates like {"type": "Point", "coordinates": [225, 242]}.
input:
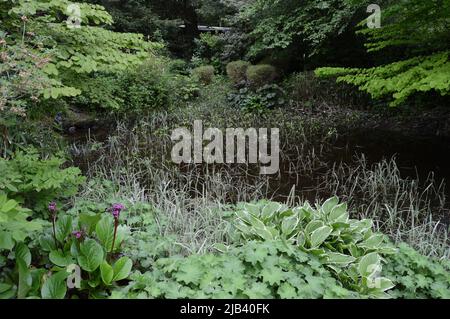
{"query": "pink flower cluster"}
{"type": "Point", "coordinates": [116, 209]}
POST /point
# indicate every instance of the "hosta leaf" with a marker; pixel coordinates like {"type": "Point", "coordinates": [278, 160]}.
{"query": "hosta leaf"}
{"type": "Point", "coordinates": [270, 210]}
{"type": "Point", "coordinates": [339, 259]}
{"type": "Point", "coordinates": [369, 264]}
{"type": "Point", "coordinates": [253, 209]}
{"type": "Point", "coordinates": [313, 225]}
{"type": "Point", "coordinates": [373, 241]}
{"type": "Point", "coordinates": [289, 224]}
{"type": "Point", "coordinates": [329, 204]}
{"type": "Point", "coordinates": [339, 214]}
{"type": "Point", "coordinates": [319, 235]}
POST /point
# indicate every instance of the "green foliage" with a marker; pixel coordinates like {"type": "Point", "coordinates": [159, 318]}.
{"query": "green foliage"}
{"type": "Point", "coordinates": [21, 78]}
{"type": "Point", "coordinates": [35, 181]}
{"type": "Point", "coordinates": [265, 98]}
{"type": "Point", "coordinates": [255, 270]}
{"type": "Point", "coordinates": [178, 66]}
{"type": "Point", "coordinates": [420, 30]}
{"type": "Point", "coordinates": [277, 25]}
{"type": "Point", "coordinates": [14, 224]}
{"type": "Point", "coordinates": [204, 74]}
{"type": "Point", "coordinates": [85, 240]}
{"type": "Point", "coordinates": [144, 88]}
{"type": "Point", "coordinates": [398, 80]}
{"type": "Point", "coordinates": [208, 49]}
{"type": "Point", "coordinates": [260, 75]}
{"type": "Point", "coordinates": [237, 71]}
{"type": "Point", "coordinates": [74, 51]}
{"type": "Point", "coordinates": [347, 247]}
{"type": "Point", "coordinates": [416, 276]}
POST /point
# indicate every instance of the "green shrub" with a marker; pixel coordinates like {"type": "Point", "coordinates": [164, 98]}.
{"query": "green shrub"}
{"type": "Point", "coordinates": [260, 75]}
{"type": "Point", "coordinates": [237, 70]}
{"type": "Point", "coordinates": [265, 98]}
{"type": "Point", "coordinates": [204, 74]}
{"type": "Point", "coordinates": [258, 270]}
{"type": "Point", "coordinates": [35, 182]}
{"type": "Point", "coordinates": [183, 88]}
{"type": "Point", "coordinates": [15, 226]}
{"type": "Point", "coordinates": [145, 88]}
{"type": "Point", "coordinates": [179, 66]}
{"type": "Point", "coordinates": [417, 276]}
{"type": "Point", "coordinates": [90, 240]}
{"type": "Point", "coordinates": [346, 246]}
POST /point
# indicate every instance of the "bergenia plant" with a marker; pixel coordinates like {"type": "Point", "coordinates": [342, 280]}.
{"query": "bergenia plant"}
{"type": "Point", "coordinates": [116, 210]}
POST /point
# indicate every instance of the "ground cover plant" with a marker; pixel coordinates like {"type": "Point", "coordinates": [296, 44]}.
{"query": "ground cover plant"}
{"type": "Point", "coordinates": [92, 205]}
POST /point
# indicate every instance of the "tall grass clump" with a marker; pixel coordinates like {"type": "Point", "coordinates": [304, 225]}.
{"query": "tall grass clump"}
{"type": "Point", "coordinates": [406, 209]}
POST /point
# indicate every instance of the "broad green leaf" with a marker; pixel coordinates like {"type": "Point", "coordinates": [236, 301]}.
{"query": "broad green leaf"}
{"type": "Point", "coordinates": [106, 272]}
{"type": "Point", "coordinates": [329, 204]}
{"type": "Point", "coordinates": [23, 252]}
{"type": "Point", "coordinates": [55, 287]}
{"type": "Point", "coordinates": [320, 235]}
{"type": "Point", "coordinates": [105, 231]}
{"type": "Point", "coordinates": [339, 259]}
{"type": "Point", "coordinates": [369, 264]}
{"type": "Point", "coordinates": [63, 227]}
{"type": "Point", "coordinates": [9, 205]}
{"type": "Point", "coordinates": [339, 214]}
{"type": "Point", "coordinates": [122, 268]}
{"type": "Point", "coordinates": [89, 221]}
{"type": "Point", "coordinates": [6, 241]}
{"type": "Point", "coordinates": [60, 259]}
{"type": "Point", "coordinates": [47, 243]}
{"type": "Point", "coordinates": [4, 287]}
{"type": "Point", "coordinates": [91, 255]}
{"type": "Point", "coordinates": [289, 224]}
{"type": "Point", "coordinates": [25, 279]}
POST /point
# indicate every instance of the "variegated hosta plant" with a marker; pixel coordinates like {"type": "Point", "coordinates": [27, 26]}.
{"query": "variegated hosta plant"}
{"type": "Point", "coordinates": [347, 246]}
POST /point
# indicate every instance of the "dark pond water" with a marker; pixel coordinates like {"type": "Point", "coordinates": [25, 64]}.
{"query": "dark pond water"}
{"type": "Point", "coordinates": [415, 155]}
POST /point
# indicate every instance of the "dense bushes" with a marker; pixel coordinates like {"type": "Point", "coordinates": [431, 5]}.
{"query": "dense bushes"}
{"type": "Point", "coordinates": [35, 182]}
{"type": "Point", "coordinates": [204, 74]}
{"type": "Point", "coordinates": [257, 270]}
{"type": "Point", "coordinates": [417, 276]}
{"type": "Point", "coordinates": [237, 71]}
{"type": "Point", "coordinates": [145, 88]}
{"type": "Point", "coordinates": [260, 75]}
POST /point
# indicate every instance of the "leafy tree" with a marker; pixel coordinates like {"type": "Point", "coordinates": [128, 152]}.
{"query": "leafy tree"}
{"type": "Point", "coordinates": [73, 53]}
{"type": "Point", "coordinates": [420, 30]}
{"type": "Point", "coordinates": [305, 28]}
